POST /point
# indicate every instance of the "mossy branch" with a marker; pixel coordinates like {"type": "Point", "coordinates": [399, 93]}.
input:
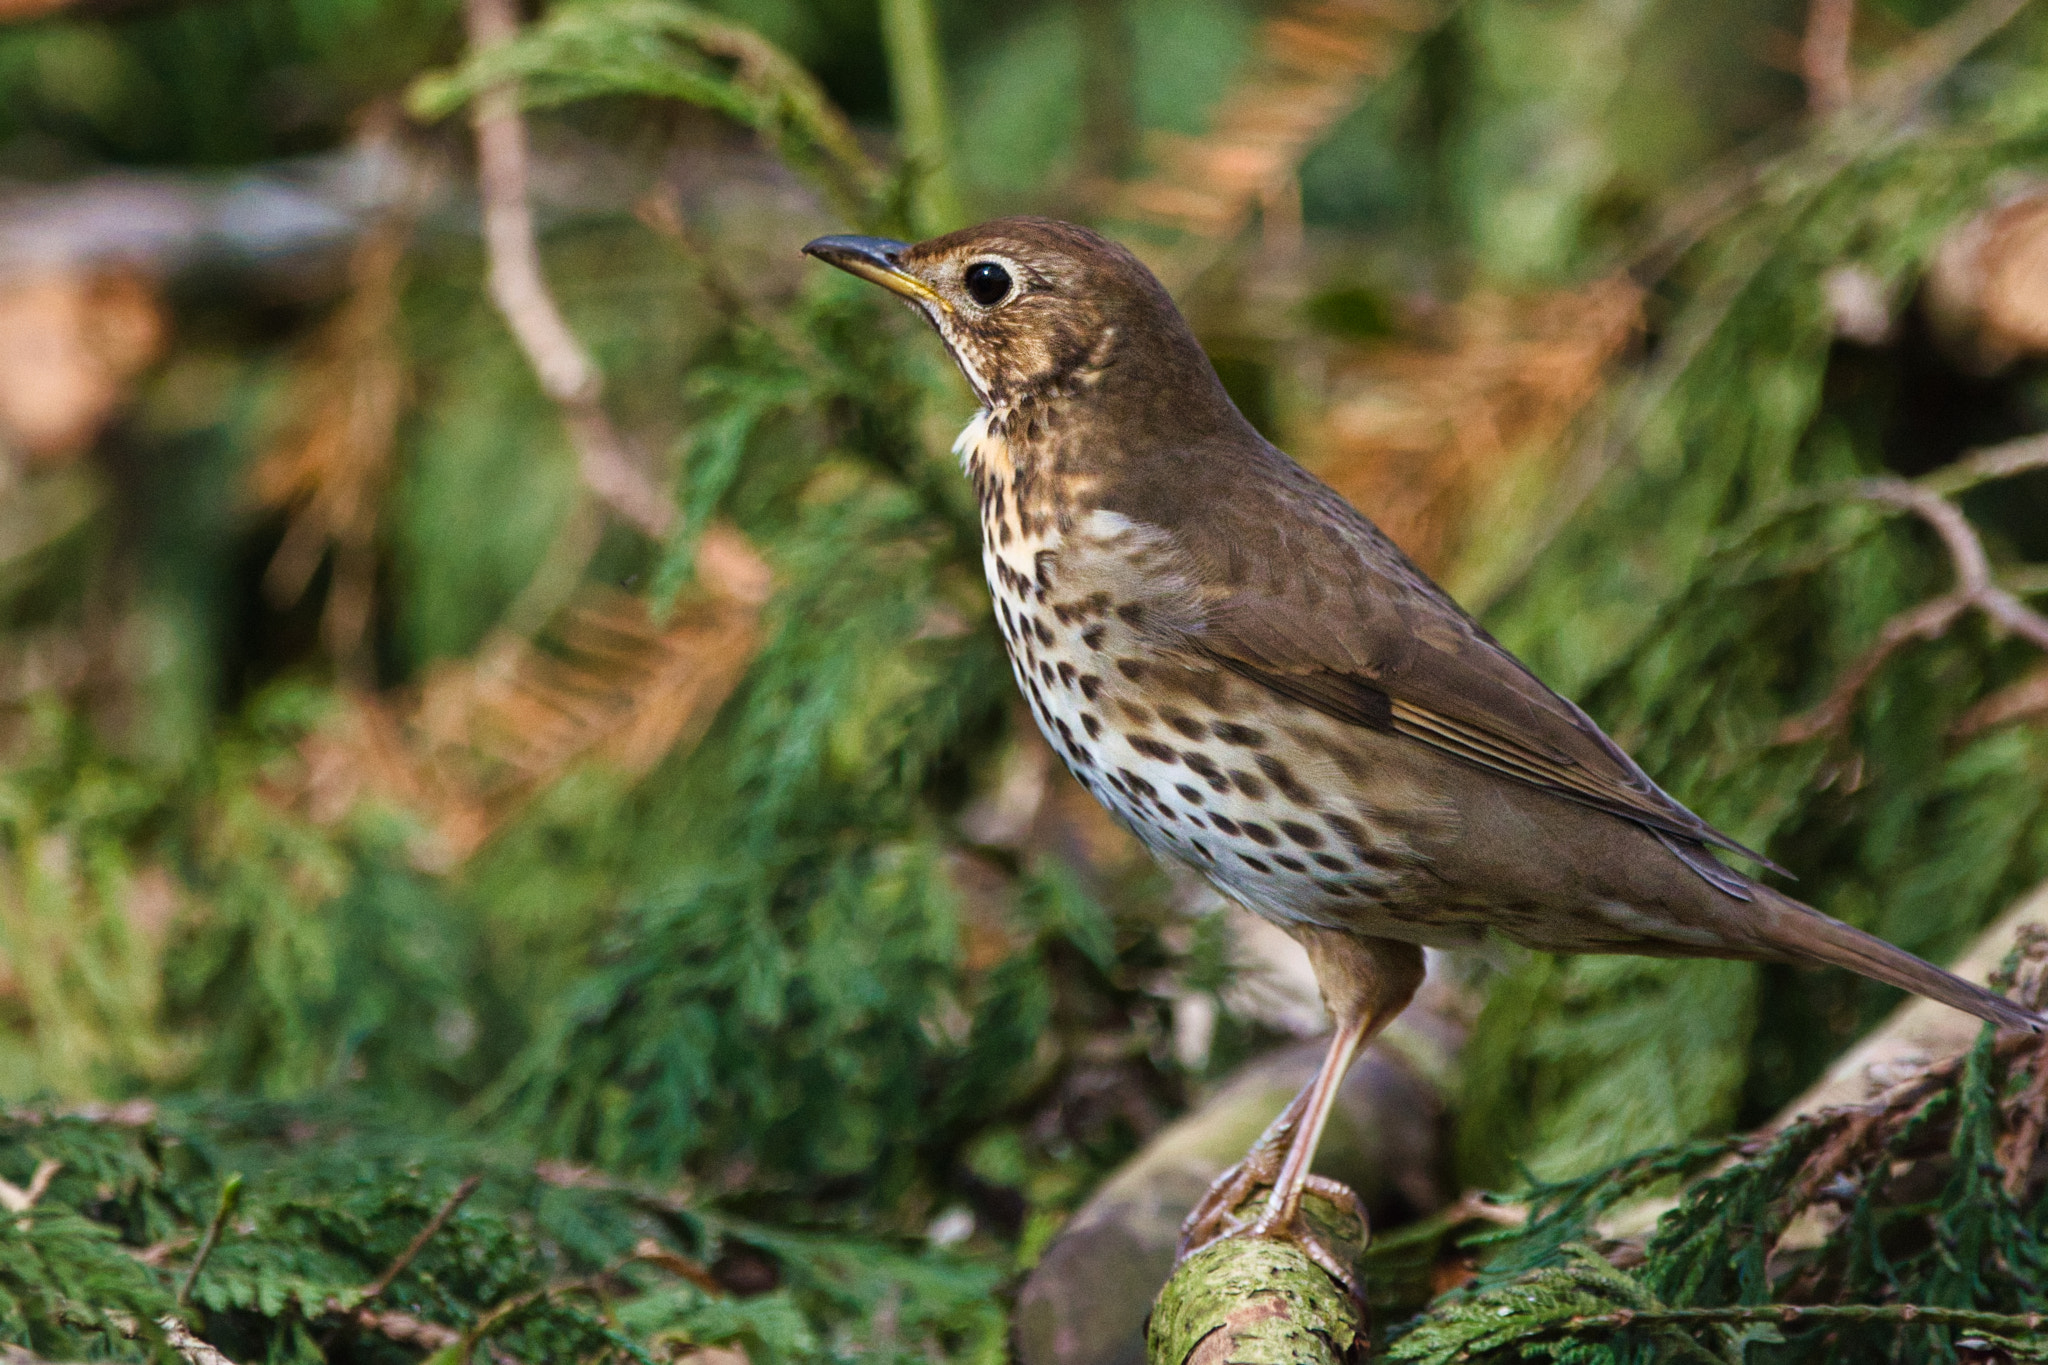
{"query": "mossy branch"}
{"type": "Point", "coordinates": [1261, 1301]}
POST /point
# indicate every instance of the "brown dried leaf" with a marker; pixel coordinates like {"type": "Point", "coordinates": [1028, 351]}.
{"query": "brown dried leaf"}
{"type": "Point", "coordinates": [481, 737]}
{"type": "Point", "coordinates": [332, 461]}
{"type": "Point", "coordinates": [1311, 66]}
{"type": "Point", "coordinates": [1415, 435]}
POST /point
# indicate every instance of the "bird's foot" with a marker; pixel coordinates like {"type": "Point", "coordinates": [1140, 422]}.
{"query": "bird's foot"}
{"type": "Point", "coordinates": [1286, 1221]}
{"type": "Point", "coordinates": [1217, 1216]}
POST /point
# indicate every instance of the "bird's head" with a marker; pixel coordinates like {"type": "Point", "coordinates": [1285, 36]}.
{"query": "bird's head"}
{"type": "Point", "coordinates": [1030, 308]}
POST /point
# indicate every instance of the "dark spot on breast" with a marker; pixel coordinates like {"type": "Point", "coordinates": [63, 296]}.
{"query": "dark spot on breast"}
{"type": "Point", "coordinates": [1191, 795]}
{"type": "Point", "coordinates": [1118, 784]}
{"type": "Point", "coordinates": [1183, 722]}
{"type": "Point", "coordinates": [1138, 784]}
{"type": "Point", "coordinates": [1196, 820]}
{"type": "Point", "coordinates": [1131, 668]}
{"type": "Point", "coordinates": [1334, 864]}
{"type": "Point", "coordinates": [1249, 785]}
{"type": "Point", "coordinates": [1045, 672]}
{"type": "Point", "coordinates": [1134, 713]}
{"type": "Point", "coordinates": [1253, 863]}
{"type": "Point", "coordinates": [1003, 533]}
{"type": "Point", "coordinates": [1349, 830]}
{"type": "Point", "coordinates": [1042, 562]}
{"type": "Point", "coordinates": [1131, 613]}
{"type": "Point", "coordinates": [1061, 726]}
{"type": "Point", "coordinates": [1259, 834]}
{"type": "Point", "coordinates": [1167, 811]}
{"type": "Point", "coordinates": [1067, 676]}
{"type": "Point", "coordinates": [1224, 823]}
{"type": "Point", "coordinates": [1202, 849]}
{"type": "Point", "coordinates": [1283, 778]}
{"type": "Point", "coordinates": [1301, 834]}
{"type": "Point", "coordinates": [1090, 685]}
{"type": "Point", "coordinates": [1091, 725]}
{"type": "Point", "coordinates": [1152, 748]}
{"type": "Point", "coordinates": [1291, 864]}
{"type": "Point", "coordinates": [1334, 888]}
{"type": "Point", "coordinates": [1043, 631]}
{"type": "Point", "coordinates": [1230, 732]}
{"type": "Point", "coordinates": [1211, 774]}
{"type": "Point", "coordinates": [1092, 637]}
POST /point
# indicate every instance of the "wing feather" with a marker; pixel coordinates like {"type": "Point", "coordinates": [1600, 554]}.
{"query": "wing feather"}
{"type": "Point", "coordinates": [1338, 619]}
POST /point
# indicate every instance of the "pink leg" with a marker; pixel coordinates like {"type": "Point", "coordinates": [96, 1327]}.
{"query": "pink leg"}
{"type": "Point", "coordinates": [1365, 983]}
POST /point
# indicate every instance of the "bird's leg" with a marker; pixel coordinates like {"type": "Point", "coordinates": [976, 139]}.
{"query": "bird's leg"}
{"type": "Point", "coordinates": [1213, 1217]}
{"type": "Point", "coordinates": [1365, 983]}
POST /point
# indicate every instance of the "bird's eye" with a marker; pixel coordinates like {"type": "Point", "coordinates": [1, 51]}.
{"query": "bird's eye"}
{"type": "Point", "coordinates": [988, 283]}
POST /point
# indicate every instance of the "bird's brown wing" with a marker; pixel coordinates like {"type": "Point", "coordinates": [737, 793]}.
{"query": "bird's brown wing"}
{"type": "Point", "coordinates": [1307, 598]}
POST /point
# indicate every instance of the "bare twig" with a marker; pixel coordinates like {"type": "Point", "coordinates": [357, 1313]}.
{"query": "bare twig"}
{"type": "Point", "coordinates": [19, 1198]}
{"type": "Point", "coordinates": [1824, 55]}
{"type": "Point", "coordinates": [230, 1195]}
{"type": "Point", "coordinates": [376, 1287]}
{"type": "Point", "coordinates": [1974, 588]}
{"type": "Point", "coordinates": [565, 370]}
{"type": "Point", "coordinates": [2022, 700]}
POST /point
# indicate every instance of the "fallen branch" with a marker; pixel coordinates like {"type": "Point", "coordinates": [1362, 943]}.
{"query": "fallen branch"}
{"type": "Point", "coordinates": [565, 370]}
{"type": "Point", "coordinates": [1974, 590]}
{"type": "Point", "coordinates": [1259, 1299]}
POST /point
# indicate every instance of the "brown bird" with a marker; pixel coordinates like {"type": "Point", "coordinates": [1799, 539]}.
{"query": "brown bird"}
{"type": "Point", "coordinates": [1257, 682]}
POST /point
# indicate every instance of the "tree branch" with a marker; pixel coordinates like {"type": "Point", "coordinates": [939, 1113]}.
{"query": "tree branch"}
{"type": "Point", "coordinates": [1824, 55]}
{"type": "Point", "coordinates": [1259, 1298]}
{"type": "Point", "coordinates": [565, 370]}
{"type": "Point", "coordinates": [1974, 589]}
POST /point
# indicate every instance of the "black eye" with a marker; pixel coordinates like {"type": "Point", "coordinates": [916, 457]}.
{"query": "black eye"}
{"type": "Point", "coordinates": [988, 283]}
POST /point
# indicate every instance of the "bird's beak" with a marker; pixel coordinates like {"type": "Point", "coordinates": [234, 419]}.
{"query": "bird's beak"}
{"type": "Point", "coordinates": [875, 258]}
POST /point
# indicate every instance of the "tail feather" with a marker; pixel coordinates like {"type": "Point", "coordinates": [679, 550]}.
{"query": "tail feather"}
{"type": "Point", "coordinates": [1800, 933]}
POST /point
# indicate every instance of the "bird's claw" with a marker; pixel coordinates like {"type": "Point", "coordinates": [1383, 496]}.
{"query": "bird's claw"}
{"type": "Point", "coordinates": [1216, 1216]}
{"type": "Point", "coordinates": [1292, 1225]}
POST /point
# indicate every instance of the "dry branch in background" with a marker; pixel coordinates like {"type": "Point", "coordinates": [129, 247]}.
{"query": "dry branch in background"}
{"type": "Point", "coordinates": [1312, 64]}
{"type": "Point", "coordinates": [1974, 590]}
{"type": "Point", "coordinates": [1824, 55]}
{"type": "Point", "coordinates": [566, 372]}
{"type": "Point", "coordinates": [482, 736]}
{"type": "Point", "coordinates": [1420, 434]}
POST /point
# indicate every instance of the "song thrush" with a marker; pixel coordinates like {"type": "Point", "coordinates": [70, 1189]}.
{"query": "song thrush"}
{"type": "Point", "coordinates": [1264, 688]}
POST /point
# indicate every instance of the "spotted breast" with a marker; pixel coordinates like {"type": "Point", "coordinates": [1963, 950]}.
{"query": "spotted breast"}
{"type": "Point", "coordinates": [1202, 766]}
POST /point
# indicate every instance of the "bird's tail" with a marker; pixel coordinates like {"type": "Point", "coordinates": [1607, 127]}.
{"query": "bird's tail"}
{"type": "Point", "coordinates": [1797, 932]}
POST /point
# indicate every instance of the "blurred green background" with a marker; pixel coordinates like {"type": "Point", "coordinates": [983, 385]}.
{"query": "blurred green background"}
{"type": "Point", "coordinates": [357, 755]}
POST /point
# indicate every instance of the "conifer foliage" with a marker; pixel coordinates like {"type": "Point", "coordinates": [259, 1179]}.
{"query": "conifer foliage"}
{"type": "Point", "coordinates": [443, 919]}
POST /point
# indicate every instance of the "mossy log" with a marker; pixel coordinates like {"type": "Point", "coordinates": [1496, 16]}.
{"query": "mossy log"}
{"type": "Point", "coordinates": [1258, 1301]}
